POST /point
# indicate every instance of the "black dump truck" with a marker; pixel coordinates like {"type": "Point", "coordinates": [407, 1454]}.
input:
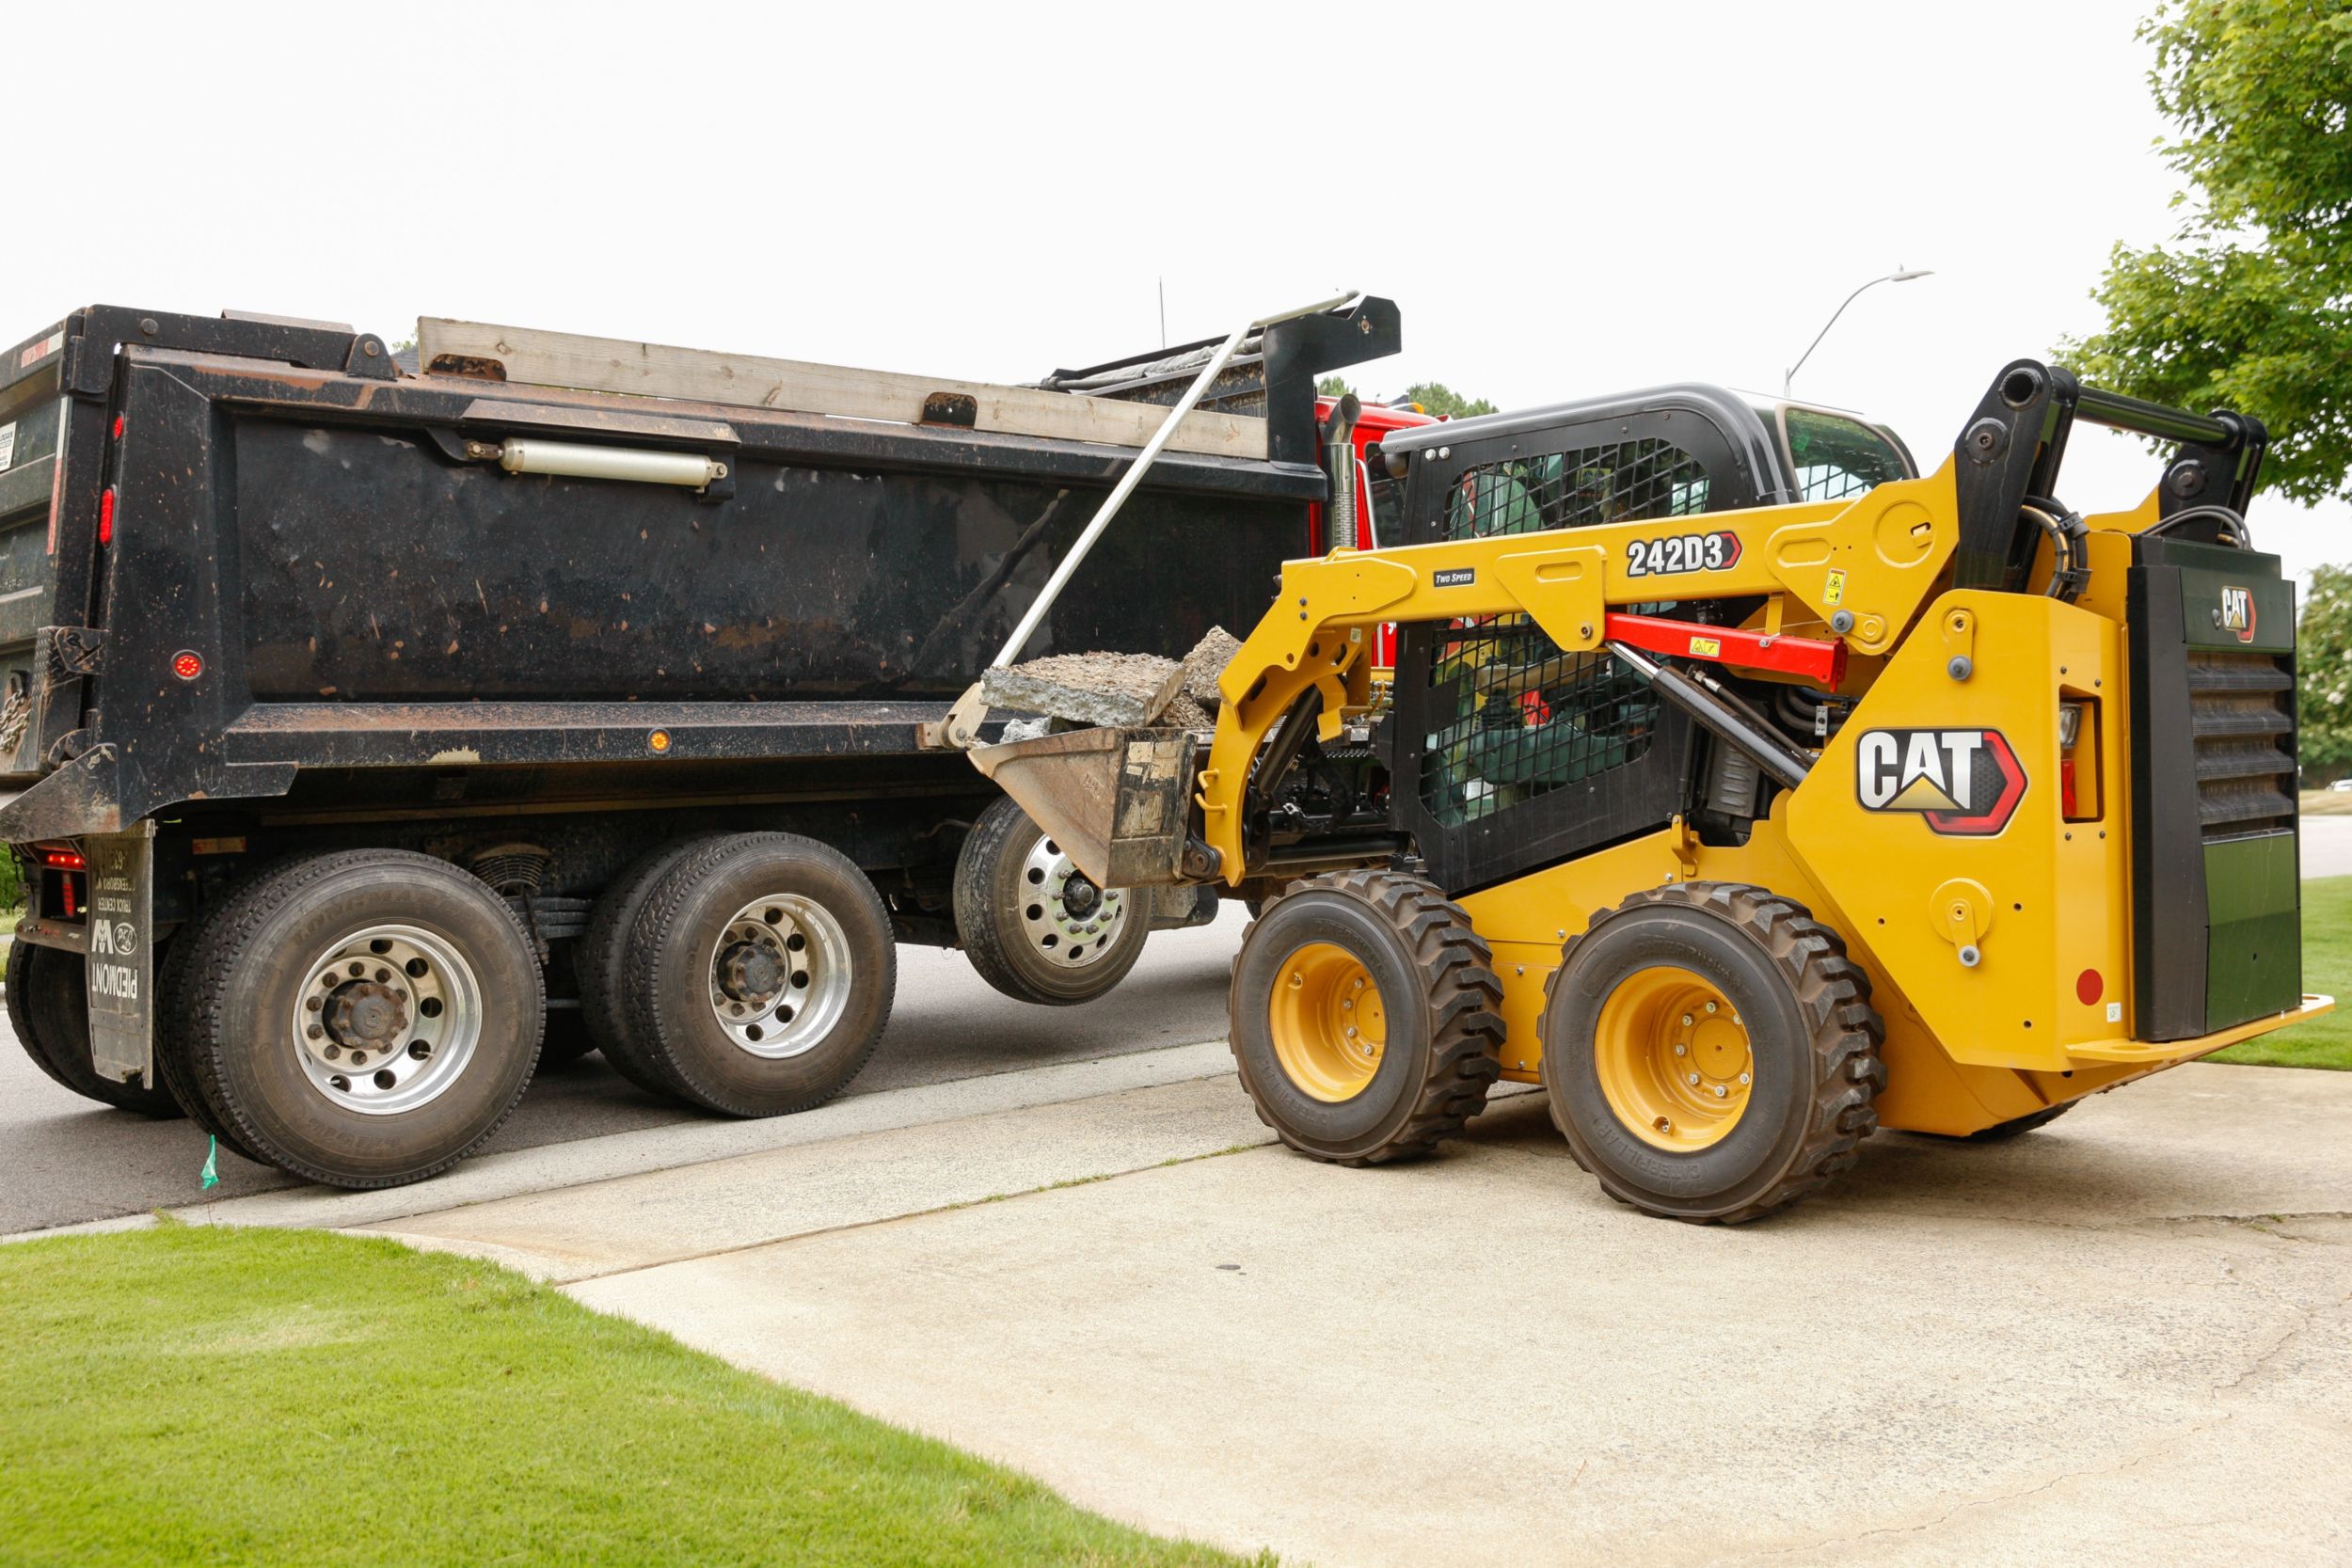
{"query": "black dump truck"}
{"type": "Point", "coordinates": [379, 724]}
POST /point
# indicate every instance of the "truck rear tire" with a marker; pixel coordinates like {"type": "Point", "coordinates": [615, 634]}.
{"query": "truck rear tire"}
{"type": "Point", "coordinates": [1365, 1017]}
{"type": "Point", "coordinates": [174, 1065]}
{"type": "Point", "coordinates": [364, 1019]}
{"type": "Point", "coordinates": [759, 975]}
{"type": "Point", "coordinates": [597, 964]}
{"type": "Point", "coordinates": [1710, 1051]}
{"type": "Point", "coordinates": [50, 1013]}
{"type": "Point", "coordinates": [1033, 924]}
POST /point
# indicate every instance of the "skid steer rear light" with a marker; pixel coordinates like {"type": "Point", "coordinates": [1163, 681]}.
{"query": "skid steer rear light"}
{"type": "Point", "coordinates": [62, 860]}
{"type": "Point", "coordinates": [106, 516]}
{"type": "Point", "coordinates": [187, 664]}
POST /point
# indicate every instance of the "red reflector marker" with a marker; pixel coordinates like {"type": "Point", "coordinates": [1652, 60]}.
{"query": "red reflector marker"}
{"type": "Point", "coordinates": [106, 516]}
{"type": "Point", "coordinates": [2088, 986]}
{"type": "Point", "coordinates": [118, 427]}
{"type": "Point", "coordinates": [187, 664]}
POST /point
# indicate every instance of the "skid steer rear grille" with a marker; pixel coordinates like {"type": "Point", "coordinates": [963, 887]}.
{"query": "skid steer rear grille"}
{"type": "Point", "coordinates": [2242, 720]}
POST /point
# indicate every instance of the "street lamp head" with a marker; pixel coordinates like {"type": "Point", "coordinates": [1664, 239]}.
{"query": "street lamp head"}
{"type": "Point", "coordinates": [1906, 274]}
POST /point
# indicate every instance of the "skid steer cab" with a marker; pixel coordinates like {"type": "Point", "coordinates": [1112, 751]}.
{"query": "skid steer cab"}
{"type": "Point", "coordinates": [1749, 797]}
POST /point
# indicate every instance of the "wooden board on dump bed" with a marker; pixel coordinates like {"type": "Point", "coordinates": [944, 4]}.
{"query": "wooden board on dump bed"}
{"type": "Point", "coordinates": [653, 370]}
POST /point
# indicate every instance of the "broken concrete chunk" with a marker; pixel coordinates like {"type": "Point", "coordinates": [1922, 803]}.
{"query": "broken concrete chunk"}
{"type": "Point", "coordinates": [1207, 660]}
{"type": "Point", "coordinates": [1185, 713]}
{"type": "Point", "coordinates": [1122, 691]}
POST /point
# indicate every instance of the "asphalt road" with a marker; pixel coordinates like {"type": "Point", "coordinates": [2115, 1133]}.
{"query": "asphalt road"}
{"type": "Point", "coordinates": [66, 1160]}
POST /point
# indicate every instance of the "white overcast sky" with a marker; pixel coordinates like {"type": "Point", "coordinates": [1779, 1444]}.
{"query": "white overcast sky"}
{"type": "Point", "coordinates": [1565, 200]}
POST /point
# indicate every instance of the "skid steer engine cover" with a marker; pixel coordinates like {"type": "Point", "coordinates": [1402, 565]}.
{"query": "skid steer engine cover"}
{"type": "Point", "coordinates": [2213, 767]}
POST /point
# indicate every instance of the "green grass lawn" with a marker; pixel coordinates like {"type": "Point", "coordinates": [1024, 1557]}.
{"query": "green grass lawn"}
{"type": "Point", "coordinates": [2326, 1041]}
{"type": "Point", "coordinates": [192, 1394]}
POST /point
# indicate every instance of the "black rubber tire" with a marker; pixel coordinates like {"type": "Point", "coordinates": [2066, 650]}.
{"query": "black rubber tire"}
{"type": "Point", "coordinates": [993, 901]}
{"type": "Point", "coordinates": [665, 992]}
{"type": "Point", "coordinates": [2001, 1132]}
{"type": "Point", "coordinates": [1811, 1029]}
{"type": "Point", "coordinates": [599, 959]}
{"type": "Point", "coordinates": [1437, 988]}
{"type": "Point", "coordinates": [49, 1012]}
{"type": "Point", "coordinates": [22, 957]}
{"type": "Point", "coordinates": [256, 948]}
{"type": "Point", "coordinates": [182, 955]}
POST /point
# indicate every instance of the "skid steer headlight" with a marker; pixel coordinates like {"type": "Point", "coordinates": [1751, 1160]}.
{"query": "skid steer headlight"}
{"type": "Point", "coordinates": [2070, 725]}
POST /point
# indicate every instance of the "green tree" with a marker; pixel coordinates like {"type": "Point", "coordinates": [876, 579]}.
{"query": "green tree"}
{"type": "Point", "coordinates": [1333, 386]}
{"type": "Point", "coordinates": [1435, 396]}
{"type": "Point", "coordinates": [2250, 306]}
{"type": "Point", "coordinates": [2323, 657]}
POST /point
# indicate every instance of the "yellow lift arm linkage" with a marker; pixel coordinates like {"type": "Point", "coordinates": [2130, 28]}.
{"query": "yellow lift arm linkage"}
{"type": "Point", "coordinates": [1875, 558]}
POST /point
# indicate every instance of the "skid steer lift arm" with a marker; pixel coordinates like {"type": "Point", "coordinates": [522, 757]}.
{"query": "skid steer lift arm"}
{"type": "Point", "coordinates": [1858, 570]}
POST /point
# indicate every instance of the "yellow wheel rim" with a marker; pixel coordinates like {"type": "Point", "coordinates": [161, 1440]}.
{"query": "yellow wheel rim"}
{"type": "Point", "coordinates": [1329, 1026]}
{"type": "Point", "coordinates": [1673, 1059]}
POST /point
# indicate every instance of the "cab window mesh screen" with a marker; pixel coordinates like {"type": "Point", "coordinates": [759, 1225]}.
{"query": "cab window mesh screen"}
{"type": "Point", "coordinates": [1621, 482]}
{"type": "Point", "coordinates": [1515, 719]}
{"type": "Point", "coordinates": [1515, 716]}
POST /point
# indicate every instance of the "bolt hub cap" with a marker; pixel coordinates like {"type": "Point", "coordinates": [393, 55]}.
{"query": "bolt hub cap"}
{"type": "Point", "coordinates": [1067, 920]}
{"type": "Point", "coordinates": [780, 975]}
{"type": "Point", "coordinates": [386, 1019]}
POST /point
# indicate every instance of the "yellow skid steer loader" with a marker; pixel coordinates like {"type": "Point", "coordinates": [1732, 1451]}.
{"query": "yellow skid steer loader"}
{"type": "Point", "coordinates": [1745, 789]}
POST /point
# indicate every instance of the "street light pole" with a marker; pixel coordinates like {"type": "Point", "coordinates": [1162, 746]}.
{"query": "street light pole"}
{"type": "Point", "coordinates": [1900, 274]}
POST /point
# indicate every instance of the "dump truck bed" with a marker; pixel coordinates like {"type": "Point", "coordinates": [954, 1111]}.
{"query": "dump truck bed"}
{"type": "Point", "coordinates": [233, 552]}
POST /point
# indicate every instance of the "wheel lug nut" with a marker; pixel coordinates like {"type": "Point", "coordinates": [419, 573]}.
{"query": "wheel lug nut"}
{"type": "Point", "coordinates": [1345, 1005]}
{"type": "Point", "coordinates": [315, 1032]}
{"type": "Point", "coordinates": [315, 1003]}
{"type": "Point", "coordinates": [1710, 1006]}
{"type": "Point", "coordinates": [1721, 1091]}
{"type": "Point", "coordinates": [1687, 1020]}
{"type": "Point", "coordinates": [1743, 1078]}
{"type": "Point", "coordinates": [1692, 1078]}
{"type": "Point", "coordinates": [1681, 1050]}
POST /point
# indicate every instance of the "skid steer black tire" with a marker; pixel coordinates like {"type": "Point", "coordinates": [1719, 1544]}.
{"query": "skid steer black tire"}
{"type": "Point", "coordinates": [1804, 1008]}
{"type": "Point", "coordinates": [259, 950]}
{"type": "Point", "coordinates": [1434, 980]}
{"type": "Point", "coordinates": [601, 952]}
{"type": "Point", "coordinates": [670, 992]}
{"type": "Point", "coordinates": [1019, 931]}
{"type": "Point", "coordinates": [49, 1012]}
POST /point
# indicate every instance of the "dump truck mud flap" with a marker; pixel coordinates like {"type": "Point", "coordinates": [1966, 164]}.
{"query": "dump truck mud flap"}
{"type": "Point", "coordinates": [120, 965]}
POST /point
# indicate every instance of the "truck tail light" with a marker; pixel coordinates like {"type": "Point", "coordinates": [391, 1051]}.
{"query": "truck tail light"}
{"type": "Point", "coordinates": [62, 860]}
{"type": "Point", "coordinates": [106, 516]}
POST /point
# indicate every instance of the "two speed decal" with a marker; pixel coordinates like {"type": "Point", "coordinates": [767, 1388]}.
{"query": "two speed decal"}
{"type": "Point", "coordinates": [1682, 552]}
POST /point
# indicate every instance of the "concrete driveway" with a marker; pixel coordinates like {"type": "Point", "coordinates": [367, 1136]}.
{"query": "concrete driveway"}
{"type": "Point", "coordinates": [2126, 1339]}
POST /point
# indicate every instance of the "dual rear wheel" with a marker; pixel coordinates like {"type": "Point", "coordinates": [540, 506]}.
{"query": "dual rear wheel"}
{"type": "Point", "coordinates": [1709, 1050]}
{"type": "Point", "coordinates": [370, 1017]}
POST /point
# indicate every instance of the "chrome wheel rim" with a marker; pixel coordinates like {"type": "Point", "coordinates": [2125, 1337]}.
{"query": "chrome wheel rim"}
{"type": "Point", "coordinates": [1067, 920]}
{"type": "Point", "coordinates": [387, 1020]}
{"type": "Point", "coordinates": [779, 975]}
